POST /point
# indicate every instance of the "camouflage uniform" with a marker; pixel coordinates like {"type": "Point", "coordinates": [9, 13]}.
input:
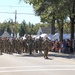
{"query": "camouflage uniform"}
{"type": "Point", "coordinates": [30, 42]}
{"type": "Point", "coordinates": [1, 46]}
{"type": "Point", "coordinates": [21, 45]}
{"type": "Point", "coordinates": [6, 45]}
{"type": "Point", "coordinates": [11, 46]}
{"type": "Point", "coordinates": [15, 45]}
{"type": "Point", "coordinates": [36, 45]}
{"type": "Point", "coordinates": [40, 44]}
{"type": "Point", "coordinates": [46, 44]}
{"type": "Point", "coordinates": [18, 46]}
{"type": "Point", "coordinates": [25, 47]}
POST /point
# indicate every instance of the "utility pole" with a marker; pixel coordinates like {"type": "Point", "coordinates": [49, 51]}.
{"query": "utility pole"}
{"type": "Point", "coordinates": [15, 23]}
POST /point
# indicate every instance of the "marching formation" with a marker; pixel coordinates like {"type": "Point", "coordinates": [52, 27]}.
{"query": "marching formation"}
{"type": "Point", "coordinates": [30, 45]}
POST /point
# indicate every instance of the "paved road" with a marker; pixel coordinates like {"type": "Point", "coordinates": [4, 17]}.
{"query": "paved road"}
{"type": "Point", "coordinates": [36, 65]}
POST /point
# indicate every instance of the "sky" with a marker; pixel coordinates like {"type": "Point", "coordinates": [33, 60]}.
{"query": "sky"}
{"type": "Point", "coordinates": [7, 11]}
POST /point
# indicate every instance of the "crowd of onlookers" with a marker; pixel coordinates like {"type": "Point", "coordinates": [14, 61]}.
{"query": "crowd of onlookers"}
{"type": "Point", "coordinates": [64, 46]}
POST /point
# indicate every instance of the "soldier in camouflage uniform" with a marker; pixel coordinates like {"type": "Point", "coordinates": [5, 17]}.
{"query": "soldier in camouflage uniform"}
{"type": "Point", "coordinates": [11, 46]}
{"type": "Point", "coordinates": [4, 42]}
{"type": "Point", "coordinates": [6, 45]}
{"type": "Point", "coordinates": [30, 42]}
{"type": "Point", "coordinates": [14, 45]}
{"type": "Point", "coordinates": [40, 44]}
{"type": "Point", "coordinates": [36, 45]}
{"type": "Point", "coordinates": [21, 45]}
{"type": "Point", "coordinates": [46, 45]}
{"type": "Point", "coordinates": [18, 46]}
{"type": "Point", "coordinates": [1, 46]}
{"type": "Point", "coordinates": [25, 47]}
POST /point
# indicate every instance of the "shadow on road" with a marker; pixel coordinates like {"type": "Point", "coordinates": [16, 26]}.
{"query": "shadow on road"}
{"type": "Point", "coordinates": [68, 56]}
{"type": "Point", "coordinates": [50, 55]}
{"type": "Point", "coordinates": [32, 55]}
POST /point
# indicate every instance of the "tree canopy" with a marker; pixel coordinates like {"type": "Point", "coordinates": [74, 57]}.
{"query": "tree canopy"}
{"type": "Point", "coordinates": [55, 9]}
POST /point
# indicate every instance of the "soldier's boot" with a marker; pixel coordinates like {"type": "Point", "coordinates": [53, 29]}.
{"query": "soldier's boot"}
{"type": "Point", "coordinates": [40, 51]}
{"type": "Point", "coordinates": [46, 57]}
{"type": "Point", "coordinates": [36, 51]}
{"type": "Point", "coordinates": [46, 54]}
{"type": "Point", "coordinates": [1, 52]}
{"type": "Point", "coordinates": [30, 53]}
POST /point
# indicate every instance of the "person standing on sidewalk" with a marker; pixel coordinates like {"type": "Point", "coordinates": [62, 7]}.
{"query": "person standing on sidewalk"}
{"type": "Point", "coordinates": [69, 46]}
{"type": "Point", "coordinates": [64, 46]}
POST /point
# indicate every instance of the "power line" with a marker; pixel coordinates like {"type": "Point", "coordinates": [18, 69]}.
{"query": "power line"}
{"type": "Point", "coordinates": [27, 13]}
{"type": "Point", "coordinates": [7, 12]}
{"type": "Point", "coordinates": [10, 6]}
{"type": "Point", "coordinates": [17, 13]}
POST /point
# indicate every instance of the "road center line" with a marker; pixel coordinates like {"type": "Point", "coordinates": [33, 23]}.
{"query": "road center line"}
{"type": "Point", "coordinates": [65, 61]}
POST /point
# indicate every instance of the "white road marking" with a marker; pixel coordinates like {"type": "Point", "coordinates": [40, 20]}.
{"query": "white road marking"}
{"type": "Point", "coordinates": [34, 70]}
{"type": "Point", "coordinates": [39, 66]}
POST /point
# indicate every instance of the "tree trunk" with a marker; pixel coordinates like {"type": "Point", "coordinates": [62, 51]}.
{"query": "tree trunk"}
{"type": "Point", "coordinates": [61, 34]}
{"type": "Point", "coordinates": [60, 26]}
{"type": "Point", "coordinates": [72, 17]}
{"type": "Point", "coordinates": [72, 28]}
{"type": "Point", "coordinates": [53, 26]}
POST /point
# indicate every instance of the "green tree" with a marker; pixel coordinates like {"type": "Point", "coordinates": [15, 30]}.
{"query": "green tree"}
{"type": "Point", "coordinates": [23, 28]}
{"type": "Point", "coordinates": [59, 9]}
{"type": "Point", "coordinates": [49, 10]}
{"type": "Point", "coordinates": [22, 31]}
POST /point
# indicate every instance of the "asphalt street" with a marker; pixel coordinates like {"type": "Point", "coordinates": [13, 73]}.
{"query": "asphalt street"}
{"type": "Point", "coordinates": [35, 64]}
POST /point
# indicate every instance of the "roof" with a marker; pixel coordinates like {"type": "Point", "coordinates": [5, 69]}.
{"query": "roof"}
{"type": "Point", "coordinates": [1, 33]}
{"type": "Point", "coordinates": [46, 30]}
{"type": "Point", "coordinates": [6, 34]}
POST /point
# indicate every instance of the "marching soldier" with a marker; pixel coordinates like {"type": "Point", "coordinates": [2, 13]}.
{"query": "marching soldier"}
{"type": "Point", "coordinates": [16, 45]}
{"type": "Point", "coordinates": [46, 44]}
{"type": "Point", "coordinates": [36, 45]}
{"type": "Point", "coordinates": [1, 46]}
{"type": "Point", "coordinates": [40, 44]}
{"type": "Point", "coordinates": [19, 46]}
{"type": "Point", "coordinates": [6, 45]}
{"type": "Point", "coordinates": [25, 46]}
{"type": "Point", "coordinates": [30, 42]}
{"type": "Point", "coordinates": [13, 45]}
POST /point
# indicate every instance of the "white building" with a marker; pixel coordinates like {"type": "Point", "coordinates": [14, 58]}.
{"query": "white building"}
{"type": "Point", "coordinates": [46, 30]}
